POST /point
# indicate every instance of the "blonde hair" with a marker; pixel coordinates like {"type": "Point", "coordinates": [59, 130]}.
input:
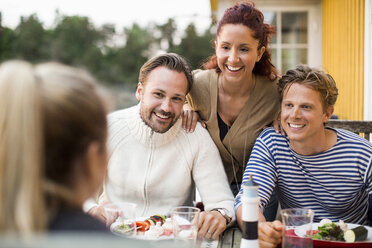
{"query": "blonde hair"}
{"type": "Point", "coordinates": [49, 114]}
{"type": "Point", "coordinates": [312, 78]}
{"type": "Point", "coordinates": [20, 149]}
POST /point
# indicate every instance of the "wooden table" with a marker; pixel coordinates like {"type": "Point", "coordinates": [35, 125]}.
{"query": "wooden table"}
{"type": "Point", "coordinates": [230, 238]}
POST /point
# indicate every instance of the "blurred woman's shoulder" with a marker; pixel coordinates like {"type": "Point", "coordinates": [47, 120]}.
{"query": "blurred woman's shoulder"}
{"type": "Point", "coordinates": [73, 219]}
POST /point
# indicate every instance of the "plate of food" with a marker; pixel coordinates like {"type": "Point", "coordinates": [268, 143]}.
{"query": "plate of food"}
{"type": "Point", "coordinates": [156, 227]}
{"type": "Point", "coordinates": [340, 234]}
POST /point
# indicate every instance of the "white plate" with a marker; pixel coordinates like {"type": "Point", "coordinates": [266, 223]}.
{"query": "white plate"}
{"type": "Point", "coordinates": [114, 230]}
{"type": "Point", "coordinates": [326, 243]}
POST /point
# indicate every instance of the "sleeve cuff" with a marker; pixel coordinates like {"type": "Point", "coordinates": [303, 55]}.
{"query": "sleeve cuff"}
{"type": "Point", "coordinates": [89, 204]}
{"type": "Point", "coordinates": [237, 205]}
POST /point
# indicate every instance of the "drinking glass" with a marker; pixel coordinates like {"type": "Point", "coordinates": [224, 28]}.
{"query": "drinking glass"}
{"type": "Point", "coordinates": [185, 222]}
{"type": "Point", "coordinates": [121, 218]}
{"type": "Point", "coordinates": [297, 230]}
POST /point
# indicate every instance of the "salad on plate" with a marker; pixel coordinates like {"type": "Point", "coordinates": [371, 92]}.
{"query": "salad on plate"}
{"type": "Point", "coordinates": [341, 231]}
{"type": "Point", "coordinates": [155, 227]}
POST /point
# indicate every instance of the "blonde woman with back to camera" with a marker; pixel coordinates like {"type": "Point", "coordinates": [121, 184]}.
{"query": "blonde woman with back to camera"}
{"type": "Point", "coordinates": [52, 147]}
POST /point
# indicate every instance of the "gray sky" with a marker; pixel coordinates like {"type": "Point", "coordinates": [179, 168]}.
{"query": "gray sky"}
{"type": "Point", "coordinates": [119, 12]}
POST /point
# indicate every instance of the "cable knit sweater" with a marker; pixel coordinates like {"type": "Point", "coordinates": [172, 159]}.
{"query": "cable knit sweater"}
{"type": "Point", "coordinates": [158, 171]}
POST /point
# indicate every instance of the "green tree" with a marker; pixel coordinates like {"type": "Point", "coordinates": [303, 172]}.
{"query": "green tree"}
{"type": "Point", "coordinates": [107, 68]}
{"type": "Point", "coordinates": [29, 42]}
{"type": "Point", "coordinates": [166, 33]}
{"type": "Point", "coordinates": [195, 48]}
{"type": "Point", "coordinates": [7, 38]}
{"type": "Point", "coordinates": [76, 41]}
{"type": "Point", "coordinates": [135, 52]}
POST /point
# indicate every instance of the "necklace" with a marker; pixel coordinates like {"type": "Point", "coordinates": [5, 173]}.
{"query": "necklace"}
{"type": "Point", "coordinates": [228, 129]}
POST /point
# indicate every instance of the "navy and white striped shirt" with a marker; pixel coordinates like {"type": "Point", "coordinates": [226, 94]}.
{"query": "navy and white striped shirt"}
{"type": "Point", "coordinates": [334, 183]}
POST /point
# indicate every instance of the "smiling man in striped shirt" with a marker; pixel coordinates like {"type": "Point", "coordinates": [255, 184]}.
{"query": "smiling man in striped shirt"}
{"type": "Point", "coordinates": [312, 166]}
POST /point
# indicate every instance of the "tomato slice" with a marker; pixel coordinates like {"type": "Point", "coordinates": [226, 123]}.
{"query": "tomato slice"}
{"type": "Point", "coordinates": [142, 226]}
{"type": "Point", "coordinates": [167, 233]}
{"type": "Point", "coordinates": [314, 232]}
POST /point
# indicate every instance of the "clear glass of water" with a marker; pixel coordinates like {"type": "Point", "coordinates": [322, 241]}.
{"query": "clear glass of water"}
{"type": "Point", "coordinates": [185, 222]}
{"type": "Point", "coordinates": [121, 218]}
{"type": "Point", "coordinates": [297, 231]}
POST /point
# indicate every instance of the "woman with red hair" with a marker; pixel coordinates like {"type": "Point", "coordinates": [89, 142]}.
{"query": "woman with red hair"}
{"type": "Point", "coordinates": [236, 94]}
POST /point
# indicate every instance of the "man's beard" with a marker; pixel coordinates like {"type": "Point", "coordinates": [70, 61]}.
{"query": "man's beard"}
{"type": "Point", "coordinates": [155, 125]}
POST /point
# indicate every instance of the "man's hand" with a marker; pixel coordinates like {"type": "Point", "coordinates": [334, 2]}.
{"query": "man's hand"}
{"type": "Point", "coordinates": [270, 234]}
{"type": "Point", "coordinates": [211, 224]}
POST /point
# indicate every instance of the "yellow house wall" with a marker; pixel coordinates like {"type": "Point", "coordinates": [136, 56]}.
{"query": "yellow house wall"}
{"type": "Point", "coordinates": [343, 51]}
{"type": "Point", "coordinates": [214, 5]}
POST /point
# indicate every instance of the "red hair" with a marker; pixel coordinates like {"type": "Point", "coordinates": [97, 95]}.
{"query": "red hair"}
{"type": "Point", "coordinates": [246, 14]}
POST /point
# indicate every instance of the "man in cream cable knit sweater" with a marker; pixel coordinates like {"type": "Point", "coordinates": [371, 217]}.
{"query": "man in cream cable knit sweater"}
{"type": "Point", "coordinates": [154, 162]}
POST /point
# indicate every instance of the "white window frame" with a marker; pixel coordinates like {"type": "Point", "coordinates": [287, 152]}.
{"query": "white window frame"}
{"type": "Point", "coordinates": [314, 42]}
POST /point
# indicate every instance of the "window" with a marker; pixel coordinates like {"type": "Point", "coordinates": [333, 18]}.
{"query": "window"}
{"type": "Point", "coordinates": [298, 35]}
{"type": "Point", "coordinates": [289, 46]}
